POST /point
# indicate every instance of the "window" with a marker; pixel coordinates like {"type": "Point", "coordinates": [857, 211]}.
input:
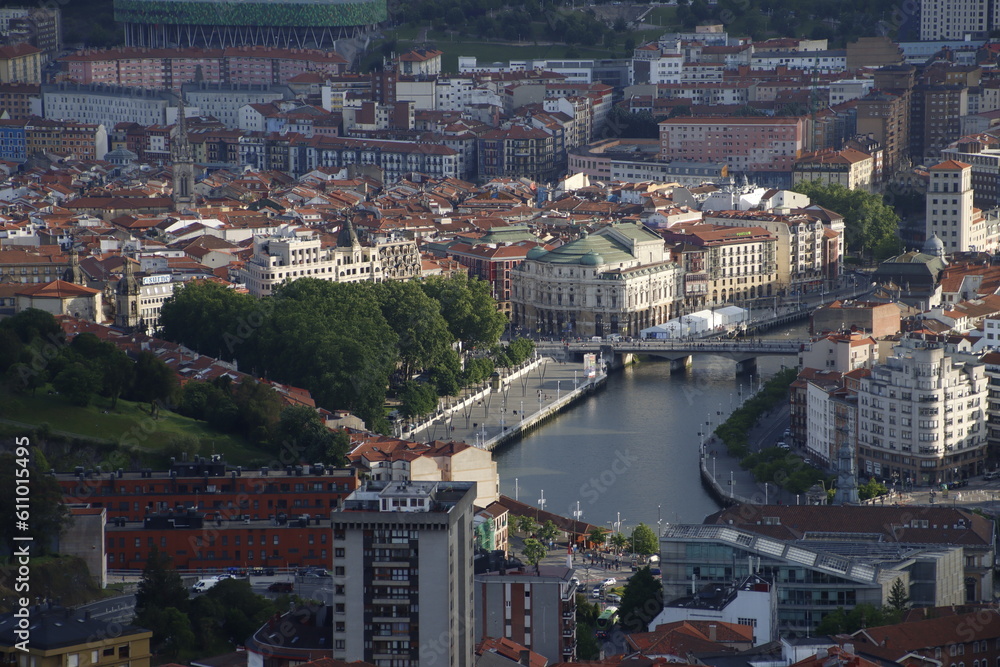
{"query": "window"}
{"type": "Point", "coordinates": [123, 651]}
{"type": "Point", "coordinates": [73, 660]}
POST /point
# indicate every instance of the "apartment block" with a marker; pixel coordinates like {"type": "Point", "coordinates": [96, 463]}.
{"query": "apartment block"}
{"type": "Point", "coordinates": [922, 416]}
{"type": "Point", "coordinates": [885, 116]}
{"type": "Point", "coordinates": [402, 574]}
{"type": "Point", "coordinates": [744, 144]}
{"type": "Point", "coordinates": [950, 212]}
{"type": "Point", "coordinates": [20, 63]}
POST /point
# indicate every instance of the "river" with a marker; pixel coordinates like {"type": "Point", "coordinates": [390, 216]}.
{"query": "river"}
{"type": "Point", "coordinates": [633, 446]}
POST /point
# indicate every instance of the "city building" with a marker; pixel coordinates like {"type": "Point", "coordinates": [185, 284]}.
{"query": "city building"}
{"type": "Point", "coordinates": [982, 153]}
{"type": "Point", "coordinates": [60, 636]}
{"type": "Point", "coordinates": [922, 416]}
{"type": "Point", "coordinates": [290, 255]}
{"type": "Point", "coordinates": [40, 27]}
{"type": "Point", "coordinates": [884, 115]}
{"type": "Point", "coordinates": [534, 609]}
{"type": "Point", "coordinates": [762, 147]}
{"type": "Point", "coordinates": [737, 263]}
{"type": "Point", "coordinates": [877, 319]}
{"type": "Point", "coordinates": [639, 160]}
{"type": "Point", "coordinates": [402, 574]}
{"type": "Point", "coordinates": [850, 168]}
{"type": "Point", "coordinates": [517, 152]}
{"type": "Point", "coordinates": [385, 459]}
{"type": "Point", "coordinates": [20, 63]}
{"type": "Point", "coordinates": [950, 212]}
{"type": "Point", "coordinates": [963, 635]}
{"type": "Point", "coordinates": [808, 251]}
{"type": "Point", "coordinates": [21, 100]}
{"type": "Point", "coordinates": [171, 67]}
{"type": "Point", "coordinates": [618, 280]}
{"type": "Point", "coordinates": [942, 20]}
{"type": "Point", "coordinates": [83, 141]}
{"type": "Point", "coordinates": [843, 351]}
{"type": "Point", "coordinates": [936, 112]}
{"type": "Point", "coordinates": [798, 398]}
{"type": "Point", "coordinates": [822, 557]}
{"type": "Point", "coordinates": [108, 105]}
{"type": "Point", "coordinates": [61, 298]}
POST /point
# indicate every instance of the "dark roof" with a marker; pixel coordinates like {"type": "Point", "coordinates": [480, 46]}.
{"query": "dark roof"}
{"type": "Point", "coordinates": [52, 626]}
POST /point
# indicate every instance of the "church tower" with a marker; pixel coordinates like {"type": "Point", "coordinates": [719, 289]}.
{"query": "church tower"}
{"type": "Point", "coordinates": [182, 160]}
{"type": "Point", "coordinates": [73, 274]}
{"type": "Point", "coordinates": [127, 315]}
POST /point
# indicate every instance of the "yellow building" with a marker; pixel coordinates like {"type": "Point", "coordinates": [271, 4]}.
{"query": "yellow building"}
{"type": "Point", "coordinates": [61, 637]}
{"type": "Point", "coordinates": [850, 168]}
{"type": "Point", "coordinates": [20, 63]}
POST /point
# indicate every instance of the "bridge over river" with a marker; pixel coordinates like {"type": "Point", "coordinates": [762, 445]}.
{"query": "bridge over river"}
{"type": "Point", "coordinates": [678, 352]}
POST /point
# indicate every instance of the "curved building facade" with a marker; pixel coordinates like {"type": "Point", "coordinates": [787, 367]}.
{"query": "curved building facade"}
{"type": "Point", "coordinates": [227, 23]}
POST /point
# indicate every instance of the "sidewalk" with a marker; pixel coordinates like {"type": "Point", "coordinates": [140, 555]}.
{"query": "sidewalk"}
{"type": "Point", "coordinates": [498, 411]}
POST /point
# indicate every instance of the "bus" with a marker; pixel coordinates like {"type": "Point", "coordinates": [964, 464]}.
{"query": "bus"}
{"type": "Point", "coordinates": [606, 621]}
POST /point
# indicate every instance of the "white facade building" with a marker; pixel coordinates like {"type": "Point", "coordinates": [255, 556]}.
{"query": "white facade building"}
{"type": "Point", "coordinates": [753, 602]}
{"type": "Point", "coordinates": [956, 19]}
{"type": "Point", "coordinates": [922, 416]}
{"type": "Point", "coordinates": [950, 213]}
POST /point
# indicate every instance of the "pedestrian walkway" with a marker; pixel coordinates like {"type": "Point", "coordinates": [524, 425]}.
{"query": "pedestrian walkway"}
{"type": "Point", "coordinates": [497, 412]}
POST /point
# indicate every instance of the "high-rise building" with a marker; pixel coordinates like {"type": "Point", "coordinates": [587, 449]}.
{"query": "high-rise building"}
{"type": "Point", "coordinates": [402, 574]}
{"type": "Point", "coordinates": [950, 213]}
{"type": "Point", "coordinates": [922, 416]}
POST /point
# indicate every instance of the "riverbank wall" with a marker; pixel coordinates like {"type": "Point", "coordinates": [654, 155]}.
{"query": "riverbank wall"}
{"type": "Point", "coordinates": [529, 423]}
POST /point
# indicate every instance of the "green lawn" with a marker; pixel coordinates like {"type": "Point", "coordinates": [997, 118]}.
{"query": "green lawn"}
{"type": "Point", "coordinates": [129, 425]}
{"type": "Point", "coordinates": [662, 16]}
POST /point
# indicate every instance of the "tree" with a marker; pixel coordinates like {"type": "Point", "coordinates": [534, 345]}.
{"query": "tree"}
{"type": "Point", "coordinates": [468, 307]}
{"type": "Point", "coordinates": [525, 525]}
{"type": "Point", "coordinates": [78, 383]}
{"type": "Point", "coordinates": [871, 489]}
{"type": "Point", "coordinates": [644, 540]}
{"type": "Point", "coordinates": [33, 324]}
{"type": "Point", "coordinates": [423, 338]}
{"type": "Point", "coordinates": [619, 542]}
{"type": "Point", "coordinates": [213, 319]}
{"type": "Point", "coordinates": [641, 602]}
{"type": "Point", "coordinates": [446, 375]}
{"type": "Point", "coordinates": [302, 431]}
{"type": "Point", "coordinates": [548, 532]}
{"type": "Point", "coordinates": [418, 399]}
{"type": "Point", "coordinates": [49, 515]}
{"type": "Point", "coordinates": [533, 552]}
{"type": "Point", "coordinates": [598, 535]}
{"type": "Point", "coordinates": [154, 381]}
{"type": "Point", "coordinates": [861, 616]}
{"type": "Point", "coordinates": [899, 597]}
{"type": "Point", "coordinates": [118, 372]}
{"type": "Point", "coordinates": [259, 407]}
{"type": "Point", "coordinates": [161, 590]}
{"type": "Point", "coordinates": [871, 226]}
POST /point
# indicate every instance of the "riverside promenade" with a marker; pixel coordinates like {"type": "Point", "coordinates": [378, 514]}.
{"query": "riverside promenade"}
{"type": "Point", "coordinates": [499, 413]}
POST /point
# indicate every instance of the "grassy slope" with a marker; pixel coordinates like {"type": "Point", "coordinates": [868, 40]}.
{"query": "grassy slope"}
{"type": "Point", "coordinates": [129, 425]}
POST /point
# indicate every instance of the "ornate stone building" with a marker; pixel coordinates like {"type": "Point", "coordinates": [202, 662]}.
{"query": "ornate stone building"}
{"type": "Point", "coordinates": [618, 280]}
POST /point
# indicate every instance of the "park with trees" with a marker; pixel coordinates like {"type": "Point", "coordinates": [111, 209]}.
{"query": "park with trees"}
{"type": "Point", "coordinates": [363, 347]}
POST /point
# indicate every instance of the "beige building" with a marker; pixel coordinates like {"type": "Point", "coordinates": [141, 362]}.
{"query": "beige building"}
{"type": "Point", "coordinates": [737, 263]}
{"type": "Point", "coordinates": [922, 416]}
{"type": "Point", "coordinates": [850, 168]}
{"type": "Point", "coordinates": [803, 254]}
{"type": "Point", "coordinates": [384, 458]}
{"type": "Point", "coordinates": [20, 63]}
{"type": "Point", "coordinates": [842, 352]}
{"type": "Point", "coordinates": [618, 280]}
{"type": "Point", "coordinates": [950, 212]}
{"type": "Point", "coordinates": [61, 298]}
{"type": "Point", "coordinates": [292, 255]}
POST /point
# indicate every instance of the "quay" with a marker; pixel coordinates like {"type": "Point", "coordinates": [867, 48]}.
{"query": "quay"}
{"type": "Point", "coordinates": [502, 411]}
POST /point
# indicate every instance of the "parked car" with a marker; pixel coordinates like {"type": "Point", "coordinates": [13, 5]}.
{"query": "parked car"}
{"type": "Point", "coordinates": [203, 585]}
{"type": "Point", "coordinates": [783, 445]}
{"type": "Point", "coordinates": [596, 593]}
{"type": "Point", "coordinates": [610, 581]}
{"type": "Point", "coordinates": [280, 587]}
{"type": "Point", "coordinates": [993, 474]}
{"type": "Point", "coordinates": [613, 598]}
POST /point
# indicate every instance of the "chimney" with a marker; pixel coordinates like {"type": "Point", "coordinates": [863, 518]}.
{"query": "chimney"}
{"type": "Point", "coordinates": [713, 634]}
{"type": "Point", "coordinates": [525, 658]}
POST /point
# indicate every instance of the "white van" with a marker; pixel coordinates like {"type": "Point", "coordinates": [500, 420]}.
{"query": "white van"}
{"type": "Point", "coordinates": [203, 585]}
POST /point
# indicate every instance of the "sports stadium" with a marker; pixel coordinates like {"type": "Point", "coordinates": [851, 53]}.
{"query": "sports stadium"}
{"type": "Point", "coordinates": [227, 23]}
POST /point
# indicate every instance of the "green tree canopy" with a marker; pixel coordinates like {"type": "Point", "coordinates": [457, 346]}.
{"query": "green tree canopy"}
{"type": "Point", "coordinates": [423, 337]}
{"type": "Point", "coordinates": [49, 515]}
{"type": "Point", "coordinates": [153, 382]}
{"type": "Point", "coordinates": [641, 602]}
{"type": "Point", "coordinates": [619, 541]}
{"type": "Point", "coordinates": [644, 540]}
{"type": "Point", "coordinates": [533, 552]}
{"type": "Point", "coordinates": [468, 307]}
{"type": "Point", "coordinates": [872, 227]}
{"type": "Point", "coordinates": [548, 532]}
{"type": "Point", "coordinates": [211, 318]}
{"type": "Point", "coordinates": [598, 535]}
{"type": "Point", "coordinates": [899, 597]}
{"type": "Point", "coordinates": [418, 399]}
{"type": "Point", "coordinates": [861, 616]}
{"type": "Point", "coordinates": [160, 589]}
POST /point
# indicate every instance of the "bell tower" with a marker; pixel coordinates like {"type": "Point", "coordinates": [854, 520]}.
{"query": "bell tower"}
{"type": "Point", "coordinates": [182, 160]}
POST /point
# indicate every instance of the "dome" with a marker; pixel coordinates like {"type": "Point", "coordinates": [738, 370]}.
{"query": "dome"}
{"type": "Point", "coordinates": [592, 259]}
{"type": "Point", "coordinates": [934, 246]}
{"type": "Point", "coordinates": [536, 252]}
